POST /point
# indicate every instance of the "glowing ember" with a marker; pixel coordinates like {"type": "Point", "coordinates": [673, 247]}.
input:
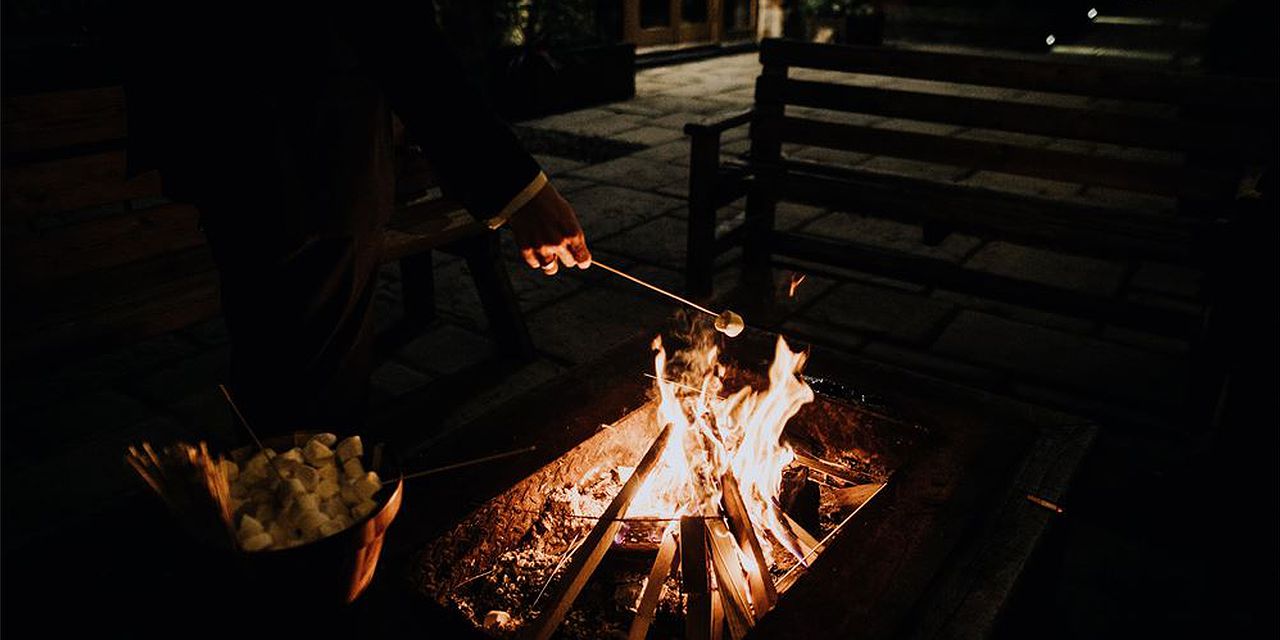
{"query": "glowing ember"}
{"type": "Point", "coordinates": [713, 436]}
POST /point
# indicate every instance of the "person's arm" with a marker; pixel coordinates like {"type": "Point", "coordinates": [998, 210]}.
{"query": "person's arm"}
{"type": "Point", "coordinates": [475, 154]}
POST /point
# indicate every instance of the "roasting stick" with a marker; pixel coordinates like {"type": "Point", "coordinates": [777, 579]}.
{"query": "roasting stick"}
{"type": "Point", "coordinates": [271, 461]}
{"type": "Point", "coordinates": [465, 463]}
{"type": "Point", "coordinates": [727, 322]}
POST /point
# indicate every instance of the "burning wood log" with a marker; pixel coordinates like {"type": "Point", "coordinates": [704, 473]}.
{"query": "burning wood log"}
{"type": "Point", "coordinates": [848, 500]}
{"type": "Point", "coordinates": [717, 616]}
{"type": "Point", "coordinates": [597, 543]}
{"type": "Point", "coordinates": [807, 541]}
{"type": "Point", "coordinates": [662, 567]}
{"type": "Point", "coordinates": [729, 578]}
{"type": "Point", "coordinates": [763, 593]}
{"type": "Point", "coordinates": [699, 621]}
{"type": "Point", "coordinates": [831, 469]}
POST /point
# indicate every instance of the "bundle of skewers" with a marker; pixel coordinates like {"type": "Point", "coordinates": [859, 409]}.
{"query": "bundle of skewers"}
{"type": "Point", "coordinates": [192, 483]}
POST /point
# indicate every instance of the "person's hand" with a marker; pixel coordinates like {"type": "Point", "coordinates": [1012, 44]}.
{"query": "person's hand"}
{"type": "Point", "coordinates": [547, 231]}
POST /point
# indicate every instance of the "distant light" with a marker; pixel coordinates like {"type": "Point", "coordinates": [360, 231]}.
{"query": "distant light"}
{"type": "Point", "coordinates": [1093, 13]}
{"type": "Point", "coordinates": [1050, 40]}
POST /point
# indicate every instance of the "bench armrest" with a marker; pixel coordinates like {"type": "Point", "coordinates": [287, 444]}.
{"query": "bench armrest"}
{"type": "Point", "coordinates": [718, 126]}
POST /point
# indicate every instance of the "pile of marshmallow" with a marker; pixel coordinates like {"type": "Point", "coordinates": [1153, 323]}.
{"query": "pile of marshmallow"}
{"type": "Point", "coordinates": [304, 494]}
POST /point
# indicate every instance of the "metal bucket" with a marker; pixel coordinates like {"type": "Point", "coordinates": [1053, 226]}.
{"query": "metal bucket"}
{"type": "Point", "coordinates": [335, 569]}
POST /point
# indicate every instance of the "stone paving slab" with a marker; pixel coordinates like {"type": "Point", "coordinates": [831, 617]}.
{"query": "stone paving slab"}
{"type": "Point", "coordinates": [922, 360]}
{"type": "Point", "coordinates": [917, 126]}
{"type": "Point", "coordinates": [633, 172]}
{"type": "Point", "coordinates": [607, 209]}
{"type": "Point", "coordinates": [677, 120]}
{"type": "Point", "coordinates": [1097, 367]}
{"type": "Point", "coordinates": [1005, 137]}
{"type": "Point", "coordinates": [585, 325]}
{"type": "Point", "coordinates": [566, 185]}
{"type": "Point", "coordinates": [878, 311]}
{"type": "Point", "coordinates": [836, 157]}
{"type": "Point", "coordinates": [661, 241]}
{"type": "Point", "coordinates": [1022, 185]}
{"type": "Point", "coordinates": [1126, 200]}
{"type": "Point", "coordinates": [649, 135]}
{"type": "Point", "coordinates": [512, 385]}
{"type": "Point", "coordinates": [1078, 273]}
{"type": "Point", "coordinates": [555, 165]}
{"type": "Point", "coordinates": [445, 349]}
{"type": "Point", "coordinates": [1103, 149]}
{"type": "Point", "coordinates": [839, 339]}
{"type": "Point", "coordinates": [595, 127]}
{"type": "Point", "coordinates": [1017, 312]}
{"type": "Point", "coordinates": [675, 152]}
{"type": "Point", "coordinates": [890, 234]}
{"type": "Point", "coordinates": [914, 168]}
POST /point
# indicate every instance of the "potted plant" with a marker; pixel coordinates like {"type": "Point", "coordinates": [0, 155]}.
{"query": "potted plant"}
{"type": "Point", "coordinates": [843, 21]}
{"type": "Point", "coordinates": [545, 56]}
{"type": "Point", "coordinates": [864, 24]}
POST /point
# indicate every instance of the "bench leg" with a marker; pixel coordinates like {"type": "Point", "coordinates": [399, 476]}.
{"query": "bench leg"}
{"type": "Point", "coordinates": [418, 286]}
{"type": "Point", "coordinates": [757, 251]}
{"type": "Point", "coordinates": [700, 262]}
{"type": "Point", "coordinates": [497, 296]}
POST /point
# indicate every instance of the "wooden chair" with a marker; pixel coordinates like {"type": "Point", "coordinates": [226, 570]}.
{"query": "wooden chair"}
{"type": "Point", "coordinates": [92, 259]}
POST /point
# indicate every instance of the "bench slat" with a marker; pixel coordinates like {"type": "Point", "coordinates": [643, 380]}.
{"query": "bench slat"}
{"type": "Point", "coordinates": [72, 183]}
{"type": "Point", "coordinates": [426, 226]}
{"type": "Point", "coordinates": [1044, 163]}
{"type": "Point", "coordinates": [1045, 120]}
{"type": "Point", "coordinates": [134, 315]}
{"type": "Point", "coordinates": [946, 275]}
{"type": "Point", "coordinates": [1071, 227]}
{"type": "Point", "coordinates": [1093, 78]}
{"type": "Point", "coordinates": [35, 259]}
{"type": "Point", "coordinates": [44, 121]}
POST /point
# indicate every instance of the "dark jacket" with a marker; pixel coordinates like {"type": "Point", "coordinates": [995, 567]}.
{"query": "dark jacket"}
{"type": "Point", "coordinates": [283, 107]}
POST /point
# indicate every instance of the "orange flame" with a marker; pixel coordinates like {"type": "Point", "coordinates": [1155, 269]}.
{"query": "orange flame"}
{"type": "Point", "coordinates": [712, 435]}
{"type": "Point", "coordinates": [796, 279]}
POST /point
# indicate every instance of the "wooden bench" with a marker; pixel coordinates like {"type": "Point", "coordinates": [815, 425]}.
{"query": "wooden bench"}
{"type": "Point", "coordinates": [1222, 127]}
{"type": "Point", "coordinates": [92, 259]}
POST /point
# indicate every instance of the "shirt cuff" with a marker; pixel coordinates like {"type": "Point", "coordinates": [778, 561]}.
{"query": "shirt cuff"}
{"type": "Point", "coordinates": [526, 194]}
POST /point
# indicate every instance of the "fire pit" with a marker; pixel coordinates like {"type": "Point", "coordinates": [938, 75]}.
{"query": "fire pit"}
{"type": "Point", "coordinates": [696, 511]}
{"type": "Point", "coordinates": [692, 495]}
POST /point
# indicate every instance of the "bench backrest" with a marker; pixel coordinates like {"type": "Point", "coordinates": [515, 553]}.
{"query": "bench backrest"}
{"type": "Point", "coordinates": [68, 207]}
{"type": "Point", "coordinates": [1209, 124]}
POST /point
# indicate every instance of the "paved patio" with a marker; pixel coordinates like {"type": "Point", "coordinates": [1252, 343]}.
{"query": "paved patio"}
{"type": "Point", "coordinates": [65, 428]}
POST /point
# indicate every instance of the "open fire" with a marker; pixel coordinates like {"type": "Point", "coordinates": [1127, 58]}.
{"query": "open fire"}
{"type": "Point", "coordinates": [699, 536]}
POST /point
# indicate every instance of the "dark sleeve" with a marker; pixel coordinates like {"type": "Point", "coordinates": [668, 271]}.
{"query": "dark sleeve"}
{"type": "Point", "coordinates": [474, 153]}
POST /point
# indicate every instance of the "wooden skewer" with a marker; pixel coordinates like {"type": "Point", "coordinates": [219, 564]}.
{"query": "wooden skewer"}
{"type": "Point", "coordinates": [651, 287]}
{"type": "Point", "coordinates": [658, 574]}
{"type": "Point", "coordinates": [592, 551]}
{"type": "Point", "coordinates": [271, 461]}
{"type": "Point", "coordinates": [465, 463]}
{"type": "Point", "coordinates": [727, 322]}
